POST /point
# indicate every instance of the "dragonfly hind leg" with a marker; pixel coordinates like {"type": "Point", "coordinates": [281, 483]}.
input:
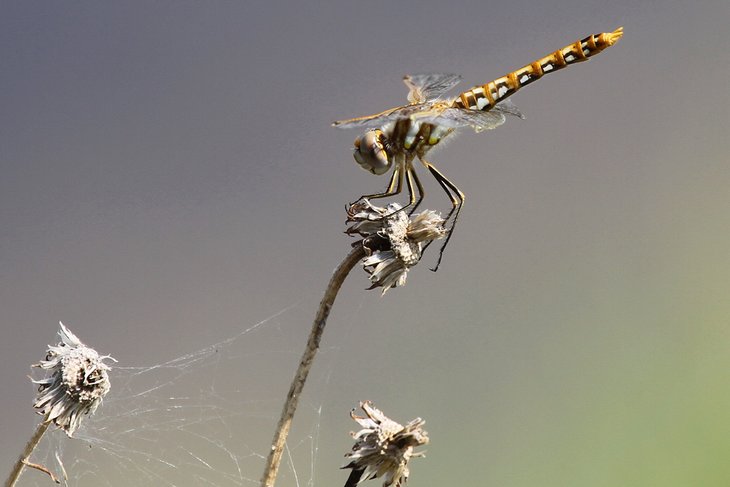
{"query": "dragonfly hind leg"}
{"type": "Point", "coordinates": [457, 201]}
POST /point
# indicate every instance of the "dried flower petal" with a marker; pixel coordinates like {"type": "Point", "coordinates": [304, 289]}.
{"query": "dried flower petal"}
{"type": "Point", "coordinates": [392, 239]}
{"type": "Point", "coordinates": [383, 448]}
{"type": "Point", "coordinates": [78, 382]}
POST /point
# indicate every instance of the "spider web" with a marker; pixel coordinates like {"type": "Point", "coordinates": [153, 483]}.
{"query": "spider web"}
{"type": "Point", "coordinates": [204, 418]}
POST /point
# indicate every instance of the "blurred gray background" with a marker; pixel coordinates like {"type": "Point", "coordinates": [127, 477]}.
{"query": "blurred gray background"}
{"type": "Point", "coordinates": [169, 177]}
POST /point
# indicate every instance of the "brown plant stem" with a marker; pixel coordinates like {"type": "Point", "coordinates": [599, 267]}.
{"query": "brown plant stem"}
{"type": "Point", "coordinates": [305, 364]}
{"type": "Point", "coordinates": [27, 452]}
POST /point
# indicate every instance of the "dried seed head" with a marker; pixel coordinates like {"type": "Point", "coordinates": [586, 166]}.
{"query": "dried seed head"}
{"type": "Point", "coordinates": [383, 447]}
{"type": "Point", "coordinates": [392, 239]}
{"type": "Point", "coordinates": [77, 383]}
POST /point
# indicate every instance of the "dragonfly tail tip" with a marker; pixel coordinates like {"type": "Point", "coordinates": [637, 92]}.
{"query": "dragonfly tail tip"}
{"type": "Point", "coordinates": [613, 37]}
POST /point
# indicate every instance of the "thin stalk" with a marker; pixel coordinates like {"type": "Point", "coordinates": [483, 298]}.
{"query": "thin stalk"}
{"type": "Point", "coordinates": [27, 452]}
{"type": "Point", "coordinates": [305, 364]}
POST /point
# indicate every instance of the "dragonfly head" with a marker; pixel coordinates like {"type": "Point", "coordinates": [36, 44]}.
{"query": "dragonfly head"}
{"type": "Point", "coordinates": [370, 152]}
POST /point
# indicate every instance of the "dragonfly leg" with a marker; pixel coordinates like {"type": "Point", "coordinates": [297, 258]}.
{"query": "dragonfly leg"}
{"type": "Point", "coordinates": [395, 186]}
{"type": "Point", "coordinates": [457, 200]}
{"type": "Point", "coordinates": [413, 179]}
{"type": "Point", "coordinates": [403, 170]}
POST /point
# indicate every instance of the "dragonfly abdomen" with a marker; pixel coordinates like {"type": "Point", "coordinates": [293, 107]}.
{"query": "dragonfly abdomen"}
{"type": "Point", "coordinates": [488, 95]}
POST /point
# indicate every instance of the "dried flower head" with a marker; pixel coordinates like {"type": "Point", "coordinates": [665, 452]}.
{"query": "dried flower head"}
{"type": "Point", "coordinates": [392, 239]}
{"type": "Point", "coordinates": [77, 383]}
{"type": "Point", "coordinates": [383, 447]}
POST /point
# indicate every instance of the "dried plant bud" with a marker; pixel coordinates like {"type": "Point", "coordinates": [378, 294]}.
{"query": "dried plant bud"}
{"type": "Point", "coordinates": [392, 239]}
{"type": "Point", "coordinates": [77, 383]}
{"type": "Point", "coordinates": [383, 448]}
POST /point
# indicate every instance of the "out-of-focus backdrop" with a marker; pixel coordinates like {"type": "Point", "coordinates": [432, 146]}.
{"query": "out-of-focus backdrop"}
{"type": "Point", "coordinates": [169, 178]}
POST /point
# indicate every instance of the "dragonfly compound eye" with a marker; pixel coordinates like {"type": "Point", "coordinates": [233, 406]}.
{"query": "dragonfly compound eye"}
{"type": "Point", "coordinates": [370, 152]}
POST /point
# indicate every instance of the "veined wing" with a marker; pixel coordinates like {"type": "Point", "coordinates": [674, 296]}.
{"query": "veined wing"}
{"type": "Point", "coordinates": [438, 114]}
{"type": "Point", "coordinates": [383, 118]}
{"type": "Point", "coordinates": [429, 86]}
{"type": "Point", "coordinates": [508, 108]}
{"type": "Point", "coordinates": [456, 117]}
{"type": "Point", "coordinates": [424, 89]}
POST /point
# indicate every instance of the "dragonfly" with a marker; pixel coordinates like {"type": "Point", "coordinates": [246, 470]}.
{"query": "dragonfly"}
{"type": "Point", "coordinates": [394, 138]}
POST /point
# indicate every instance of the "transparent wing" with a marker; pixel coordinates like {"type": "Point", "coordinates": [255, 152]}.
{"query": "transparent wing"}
{"type": "Point", "coordinates": [476, 119]}
{"type": "Point", "coordinates": [460, 117]}
{"type": "Point", "coordinates": [439, 114]}
{"type": "Point", "coordinates": [383, 118]}
{"type": "Point", "coordinates": [429, 86]}
{"type": "Point", "coordinates": [508, 108]}
{"type": "Point", "coordinates": [424, 88]}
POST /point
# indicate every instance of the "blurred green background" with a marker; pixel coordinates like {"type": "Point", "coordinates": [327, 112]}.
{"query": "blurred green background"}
{"type": "Point", "coordinates": [169, 178]}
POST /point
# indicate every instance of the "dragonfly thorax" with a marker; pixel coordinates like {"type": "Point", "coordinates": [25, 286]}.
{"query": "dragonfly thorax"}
{"type": "Point", "coordinates": [416, 137]}
{"type": "Point", "coordinates": [375, 149]}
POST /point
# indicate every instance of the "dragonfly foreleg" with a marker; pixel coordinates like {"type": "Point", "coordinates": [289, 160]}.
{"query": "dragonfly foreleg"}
{"type": "Point", "coordinates": [403, 170]}
{"type": "Point", "coordinates": [395, 186]}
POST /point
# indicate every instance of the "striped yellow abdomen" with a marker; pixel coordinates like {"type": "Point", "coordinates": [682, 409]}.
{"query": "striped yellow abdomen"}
{"type": "Point", "coordinates": [484, 97]}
